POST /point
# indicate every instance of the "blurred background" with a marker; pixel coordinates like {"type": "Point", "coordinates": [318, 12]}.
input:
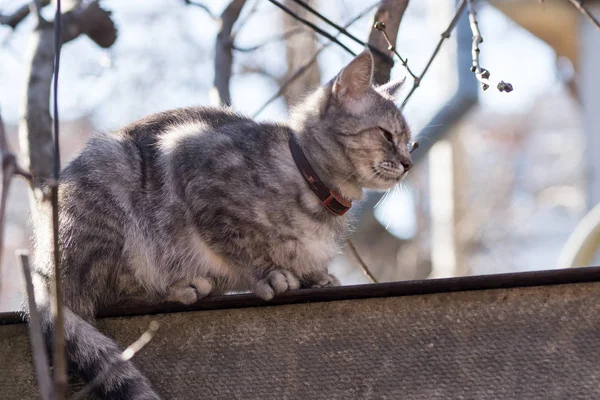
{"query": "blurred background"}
{"type": "Point", "coordinates": [502, 179]}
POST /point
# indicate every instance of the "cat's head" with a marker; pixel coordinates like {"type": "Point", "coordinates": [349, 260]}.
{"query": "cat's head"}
{"type": "Point", "coordinates": [355, 130]}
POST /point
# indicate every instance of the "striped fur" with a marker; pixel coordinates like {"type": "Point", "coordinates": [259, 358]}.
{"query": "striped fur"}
{"type": "Point", "coordinates": [199, 201]}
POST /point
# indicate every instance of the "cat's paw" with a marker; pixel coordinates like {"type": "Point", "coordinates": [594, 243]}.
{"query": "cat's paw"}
{"type": "Point", "coordinates": [203, 287]}
{"type": "Point", "coordinates": [276, 282]}
{"type": "Point", "coordinates": [186, 295]}
{"type": "Point", "coordinates": [322, 279]}
{"type": "Point", "coordinates": [189, 293]}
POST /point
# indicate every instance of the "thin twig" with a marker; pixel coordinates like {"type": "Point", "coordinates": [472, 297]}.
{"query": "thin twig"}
{"type": "Point", "coordinates": [259, 70]}
{"type": "Point", "coordinates": [313, 26]}
{"type": "Point", "coordinates": [203, 7]}
{"type": "Point", "coordinates": [304, 67]}
{"type": "Point", "coordinates": [60, 360]}
{"type": "Point", "coordinates": [126, 355]}
{"type": "Point", "coordinates": [482, 74]}
{"type": "Point", "coordinates": [339, 28]}
{"type": "Point", "coordinates": [7, 157]}
{"type": "Point", "coordinates": [40, 355]}
{"type": "Point", "coordinates": [283, 87]}
{"type": "Point", "coordinates": [243, 20]}
{"type": "Point", "coordinates": [35, 7]}
{"type": "Point", "coordinates": [579, 5]}
{"type": "Point", "coordinates": [391, 13]}
{"type": "Point", "coordinates": [445, 35]}
{"type": "Point", "coordinates": [380, 26]}
{"type": "Point", "coordinates": [362, 264]}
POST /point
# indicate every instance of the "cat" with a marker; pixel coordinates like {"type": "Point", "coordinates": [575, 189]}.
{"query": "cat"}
{"type": "Point", "coordinates": [202, 201]}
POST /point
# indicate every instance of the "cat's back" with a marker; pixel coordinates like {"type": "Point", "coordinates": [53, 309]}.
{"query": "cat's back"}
{"type": "Point", "coordinates": [129, 156]}
{"type": "Point", "coordinates": [216, 144]}
{"type": "Point", "coordinates": [152, 127]}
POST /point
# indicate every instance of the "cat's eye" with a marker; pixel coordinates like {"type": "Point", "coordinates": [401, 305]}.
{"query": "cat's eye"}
{"type": "Point", "coordinates": [388, 136]}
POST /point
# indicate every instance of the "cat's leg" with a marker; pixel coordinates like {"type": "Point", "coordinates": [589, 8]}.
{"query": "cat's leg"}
{"type": "Point", "coordinates": [320, 279]}
{"type": "Point", "coordinates": [276, 282]}
{"type": "Point", "coordinates": [187, 292]}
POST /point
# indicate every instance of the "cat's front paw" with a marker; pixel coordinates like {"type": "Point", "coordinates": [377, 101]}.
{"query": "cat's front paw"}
{"type": "Point", "coordinates": [276, 282]}
{"type": "Point", "coordinates": [190, 292]}
{"type": "Point", "coordinates": [321, 280]}
{"type": "Point", "coordinates": [186, 295]}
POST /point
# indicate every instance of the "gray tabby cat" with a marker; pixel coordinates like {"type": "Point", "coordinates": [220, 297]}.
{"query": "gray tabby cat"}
{"type": "Point", "coordinates": [200, 201]}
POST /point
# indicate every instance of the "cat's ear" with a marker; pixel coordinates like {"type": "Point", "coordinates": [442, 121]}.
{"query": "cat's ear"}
{"type": "Point", "coordinates": [354, 80]}
{"type": "Point", "coordinates": [392, 87]}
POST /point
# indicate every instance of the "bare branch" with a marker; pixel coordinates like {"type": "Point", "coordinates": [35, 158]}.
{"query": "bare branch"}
{"type": "Point", "coordinates": [89, 19]}
{"type": "Point", "coordinates": [382, 70]}
{"type": "Point", "coordinates": [445, 35]}
{"type": "Point", "coordinates": [60, 355]}
{"type": "Point", "coordinates": [380, 26]}
{"type": "Point", "coordinates": [203, 7]}
{"type": "Point", "coordinates": [35, 7]}
{"type": "Point", "coordinates": [125, 356]}
{"type": "Point", "coordinates": [35, 130]}
{"type": "Point", "coordinates": [10, 168]}
{"type": "Point", "coordinates": [304, 67]}
{"type": "Point", "coordinates": [35, 126]}
{"type": "Point", "coordinates": [313, 26]}
{"type": "Point", "coordinates": [15, 18]}
{"type": "Point", "coordinates": [579, 5]}
{"type": "Point", "coordinates": [38, 144]}
{"type": "Point", "coordinates": [297, 50]}
{"type": "Point", "coordinates": [223, 53]}
{"type": "Point", "coordinates": [343, 30]}
{"type": "Point", "coordinates": [482, 74]}
{"type": "Point", "coordinates": [259, 70]}
{"type": "Point", "coordinates": [301, 70]}
{"type": "Point", "coordinates": [390, 13]}
{"type": "Point", "coordinates": [40, 355]}
{"type": "Point", "coordinates": [362, 264]}
{"type": "Point", "coordinates": [239, 25]}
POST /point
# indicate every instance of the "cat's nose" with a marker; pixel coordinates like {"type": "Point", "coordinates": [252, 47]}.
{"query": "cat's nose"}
{"type": "Point", "coordinates": [406, 163]}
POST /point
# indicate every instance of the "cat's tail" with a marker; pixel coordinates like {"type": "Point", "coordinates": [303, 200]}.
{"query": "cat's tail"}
{"type": "Point", "coordinates": [96, 357]}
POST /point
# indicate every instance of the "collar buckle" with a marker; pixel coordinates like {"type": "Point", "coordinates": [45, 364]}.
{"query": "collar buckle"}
{"type": "Point", "coordinates": [336, 204]}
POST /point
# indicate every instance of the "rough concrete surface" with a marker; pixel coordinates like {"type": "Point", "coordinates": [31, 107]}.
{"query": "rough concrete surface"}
{"type": "Point", "coordinates": [523, 343]}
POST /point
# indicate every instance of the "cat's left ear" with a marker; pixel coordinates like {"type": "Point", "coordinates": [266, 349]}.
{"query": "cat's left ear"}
{"type": "Point", "coordinates": [354, 80]}
{"type": "Point", "coordinates": [392, 87]}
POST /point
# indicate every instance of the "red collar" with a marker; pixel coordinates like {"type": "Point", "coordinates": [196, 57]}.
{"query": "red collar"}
{"type": "Point", "coordinates": [331, 200]}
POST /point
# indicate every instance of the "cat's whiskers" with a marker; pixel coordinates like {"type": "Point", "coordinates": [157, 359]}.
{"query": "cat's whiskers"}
{"type": "Point", "coordinates": [425, 138]}
{"type": "Point", "coordinates": [395, 191]}
{"type": "Point", "coordinates": [385, 195]}
{"type": "Point", "coordinates": [348, 177]}
{"type": "Point", "coordinates": [371, 176]}
{"type": "Point", "coordinates": [389, 195]}
{"type": "Point", "coordinates": [432, 126]}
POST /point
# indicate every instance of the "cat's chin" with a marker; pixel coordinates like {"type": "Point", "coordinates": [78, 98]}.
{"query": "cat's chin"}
{"type": "Point", "coordinates": [382, 185]}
